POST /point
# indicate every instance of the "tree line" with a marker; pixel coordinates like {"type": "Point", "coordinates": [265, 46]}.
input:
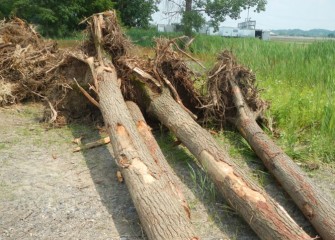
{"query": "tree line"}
{"type": "Point", "coordinates": [59, 18]}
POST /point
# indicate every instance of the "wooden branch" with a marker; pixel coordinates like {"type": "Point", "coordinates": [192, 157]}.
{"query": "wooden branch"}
{"type": "Point", "coordinates": [146, 75]}
{"type": "Point", "coordinates": [87, 95]}
{"type": "Point", "coordinates": [54, 113]}
{"type": "Point", "coordinates": [177, 98]}
{"type": "Point", "coordinates": [142, 73]}
{"type": "Point", "coordinates": [95, 144]}
{"type": "Point", "coordinates": [189, 56]}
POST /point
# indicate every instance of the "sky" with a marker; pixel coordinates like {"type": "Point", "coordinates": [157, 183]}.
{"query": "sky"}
{"type": "Point", "coordinates": [279, 14]}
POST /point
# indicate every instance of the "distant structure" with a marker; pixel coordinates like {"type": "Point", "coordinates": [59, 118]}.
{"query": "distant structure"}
{"type": "Point", "coordinates": [247, 24]}
{"type": "Point", "coordinates": [166, 28]}
{"type": "Point", "coordinates": [243, 29]}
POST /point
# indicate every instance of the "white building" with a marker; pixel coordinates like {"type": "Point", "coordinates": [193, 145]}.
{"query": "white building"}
{"type": "Point", "coordinates": [244, 29]}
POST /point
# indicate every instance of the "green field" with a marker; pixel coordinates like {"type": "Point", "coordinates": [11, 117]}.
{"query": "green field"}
{"type": "Point", "coordinates": [298, 80]}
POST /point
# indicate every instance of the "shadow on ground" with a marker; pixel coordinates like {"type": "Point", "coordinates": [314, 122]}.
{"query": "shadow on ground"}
{"type": "Point", "coordinates": [114, 195]}
{"type": "Point", "coordinates": [211, 215]}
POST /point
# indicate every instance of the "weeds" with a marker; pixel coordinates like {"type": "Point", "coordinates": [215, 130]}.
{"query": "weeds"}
{"type": "Point", "coordinates": [145, 37]}
{"type": "Point", "coordinates": [203, 183]}
{"type": "Point", "coordinates": [298, 80]}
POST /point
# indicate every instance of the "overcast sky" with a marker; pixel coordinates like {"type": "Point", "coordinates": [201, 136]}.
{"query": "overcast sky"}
{"type": "Point", "coordinates": [281, 14]}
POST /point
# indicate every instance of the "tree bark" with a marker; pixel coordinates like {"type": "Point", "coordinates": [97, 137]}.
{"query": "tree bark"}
{"type": "Point", "coordinates": [314, 204]}
{"type": "Point", "coordinates": [157, 154]}
{"type": "Point", "coordinates": [187, 14]}
{"type": "Point", "coordinates": [263, 214]}
{"type": "Point", "coordinates": [160, 212]}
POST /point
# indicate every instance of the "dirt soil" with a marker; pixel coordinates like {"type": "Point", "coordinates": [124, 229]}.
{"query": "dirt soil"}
{"type": "Point", "coordinates": [49, 192]}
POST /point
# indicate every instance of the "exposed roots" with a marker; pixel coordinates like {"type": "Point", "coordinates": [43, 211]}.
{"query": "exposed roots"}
{"type": "Point", "coordinates": [167, 69]}
{"type": "Point", "coordinates": [32, 68]}
{"type": "Point", "coordinates": [113, 40]}
{"type": "Point", "coordinates": [26, 60]}
{"type": "Point", "coordinates": [220, 105]}
{"type": "Point", "coordinates": [6, 93]}
{"type": "Point", "coordinates": [171, 69]}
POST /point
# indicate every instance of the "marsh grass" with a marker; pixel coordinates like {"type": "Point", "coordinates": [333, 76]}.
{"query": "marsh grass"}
{"type": "Point", "coordinates": [298, 80]}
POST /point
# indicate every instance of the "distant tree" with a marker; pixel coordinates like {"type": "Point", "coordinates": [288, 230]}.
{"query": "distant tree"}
{"type": "Point", "coordinates": [54, 18]}
{"type": "Point", "coordinates": [136, 13]}
{"type": "Point", "coordinates": [193, 12]}
{"type": "Point", "coordinates": [5, 8]}
{"type": "Point", "coordinates": [331, 35]}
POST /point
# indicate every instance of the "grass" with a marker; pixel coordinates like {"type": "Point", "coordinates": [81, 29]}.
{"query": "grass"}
{"type": "Point", "coordinates": [145, 37]}
{"type": "Point", "coordinates": [2, 146]}
{"type": "Point", "coordinates": [298, 80]}
{"type": "Point", "coordinates": [187, 169]}
{"type": "Point", "coordinates": [71, 41]}
{"type": "Point", "coordinates": [299, 83]}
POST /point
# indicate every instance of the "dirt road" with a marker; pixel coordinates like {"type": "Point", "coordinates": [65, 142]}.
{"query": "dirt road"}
{"type": "Point", "coordinates": [48, 192]}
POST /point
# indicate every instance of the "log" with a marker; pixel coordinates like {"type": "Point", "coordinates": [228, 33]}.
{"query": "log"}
{"type": "Point", "coordinates": [157, 154]}
{"type": "Point", "coordinates": [160, 212]}
{"type": "Point", "coordinates": [268, 219]}
{"type": "Point", "coordinates": [314, 204]}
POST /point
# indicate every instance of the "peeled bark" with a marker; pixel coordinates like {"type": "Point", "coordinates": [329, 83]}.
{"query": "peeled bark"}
{"type": "Point", "coordinates": [314, 204]}
{"type": "Point", "coordinates": [262, 213]}
{"type": "Point", "coordinates": [157, 154]}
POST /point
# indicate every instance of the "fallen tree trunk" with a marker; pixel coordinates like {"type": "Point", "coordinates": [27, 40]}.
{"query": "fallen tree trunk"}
{"type": "Point", "coordinates": [314, 204]}
{"type": "Point", "coordinates": [262, 213]}
{"type": "Point", "coordinates": [233, 96]}
{"type": "Point", "coordinates": [157, 154]}
{"type": "Point", "coordinates": [161, 215]}
{"type": "Point", "coordinates": [158, 207]}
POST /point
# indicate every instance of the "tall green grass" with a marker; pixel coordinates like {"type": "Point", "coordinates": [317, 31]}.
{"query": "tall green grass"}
{"type": "Point", "coordinates": [145, 37]}
{"type": "Point", "coordinates": [298, 81]}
